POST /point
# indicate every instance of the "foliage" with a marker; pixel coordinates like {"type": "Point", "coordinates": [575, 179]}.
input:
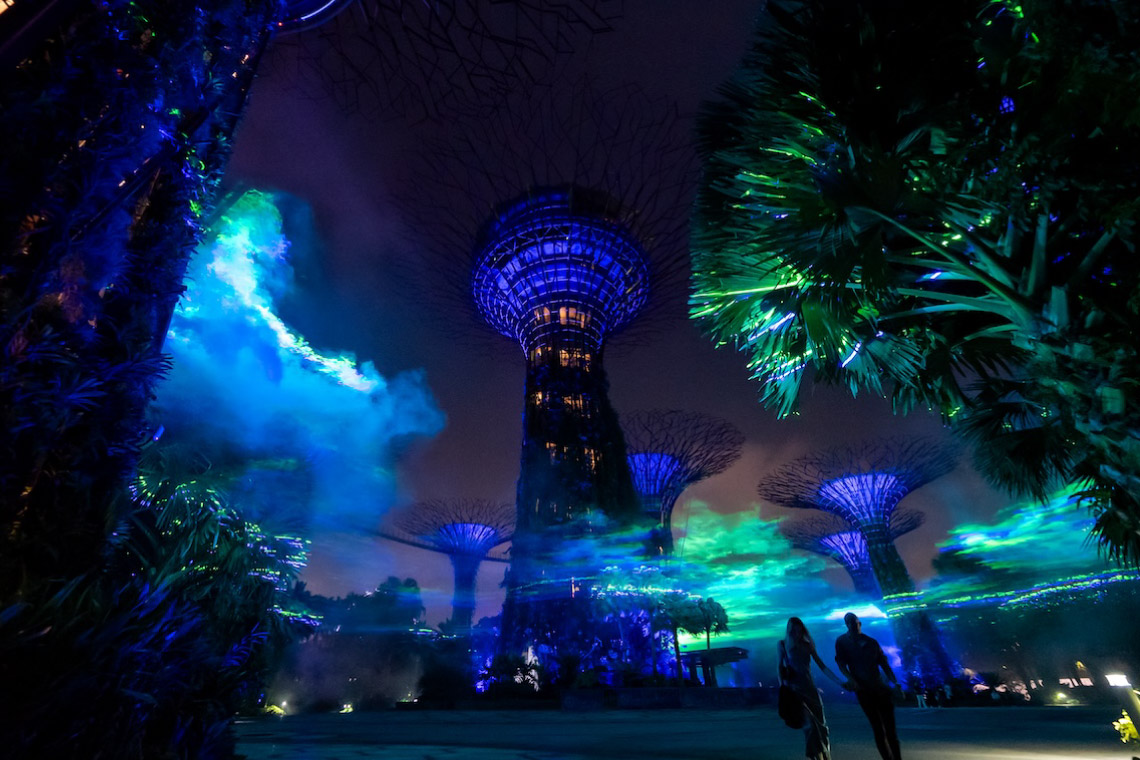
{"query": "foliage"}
{"type": "Point", "coordinates": [371, 650]}
{"type": "Point", "coordinates": [960, 232]}
{"type": "Point", "coordinates": [701, 617]}
{"type": "Point", "coordinates": [118, 126]}
{"type": "Point", "coordinates": [151, 655]}
{"type": "Point", "coordinates": [394, 605]}
{"type": "Point", "coordinates": [510, 675]}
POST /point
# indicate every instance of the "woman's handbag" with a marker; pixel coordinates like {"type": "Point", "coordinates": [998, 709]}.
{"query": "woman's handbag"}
{"type": "Point", "coordinates": [789, 705]}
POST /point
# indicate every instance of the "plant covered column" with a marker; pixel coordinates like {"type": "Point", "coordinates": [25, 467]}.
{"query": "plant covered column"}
{"type": "Point", "coordinates": [116, 127]}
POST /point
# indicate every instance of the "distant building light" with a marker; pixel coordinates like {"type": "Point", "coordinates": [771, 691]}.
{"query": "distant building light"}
{"type": "Point", "coordinates": [1117, 679]}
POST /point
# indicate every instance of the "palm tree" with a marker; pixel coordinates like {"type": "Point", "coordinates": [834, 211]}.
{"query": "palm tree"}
{"type": "Point", "coordinates": [957, 232]}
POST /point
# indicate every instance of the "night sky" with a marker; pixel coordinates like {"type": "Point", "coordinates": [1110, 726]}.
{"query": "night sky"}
{"type": "Point", "coordinates": [349, 296]}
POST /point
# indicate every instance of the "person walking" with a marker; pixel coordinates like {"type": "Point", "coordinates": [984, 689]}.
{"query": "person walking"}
{"type": "Point", "coordinates": [861, 660]}
{"type": "Point", "coordinates": [797, 650]}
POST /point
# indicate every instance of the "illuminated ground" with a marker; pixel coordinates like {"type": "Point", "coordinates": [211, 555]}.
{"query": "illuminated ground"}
{"type": "Point", "coordinates": [949, 734]}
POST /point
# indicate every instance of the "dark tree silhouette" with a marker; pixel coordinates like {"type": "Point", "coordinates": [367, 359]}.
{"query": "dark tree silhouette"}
{"type": "Point", "coordinates": [424, 59]}
{"type": "Point", "coordinates": [834, 537]}
{"type": "Point", "coordinates": [466, 530]}
{"type": "Point", "coordinates": [668, 451]}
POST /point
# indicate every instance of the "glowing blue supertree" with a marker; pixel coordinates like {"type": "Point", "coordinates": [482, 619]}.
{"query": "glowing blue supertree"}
{"type": "Point", "coordinates": [863, 484]}
{"type": "Point", "coordinates": [670, 451]}
{"type": "Point", "coordinates": [466, 530]}
{"type": "Point", "coordinates": [588, 193]}
{"type": "Point", "coordinates": [558, 272]}
{"type": "Point", "coordinates": [834, 537]}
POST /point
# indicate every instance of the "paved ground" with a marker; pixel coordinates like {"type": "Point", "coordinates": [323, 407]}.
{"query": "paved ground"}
{"type": "Point", "coordinates": [951, 734]}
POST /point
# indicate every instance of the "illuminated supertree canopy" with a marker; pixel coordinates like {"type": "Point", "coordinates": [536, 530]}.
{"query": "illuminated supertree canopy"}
{"type": "Point", "coordinates": [863, 484]}
{"type": "Point", "coordinates": [834, 537]}
{"type": "Point", "coordinates": [668, 451]}
{"type": "Point", "coordinates": [586, 238]}
{"type": "Point", "coordinates": [557, 270]}
{"type": "Point", "coordinates": [466, 530]}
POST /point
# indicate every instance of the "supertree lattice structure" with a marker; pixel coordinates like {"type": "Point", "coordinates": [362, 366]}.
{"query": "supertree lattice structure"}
{"type": "Point", "coordinates": [670, 450]}
{"type": "Point", "coordinates": [466, 530]}
{"type": "Point", "coordinates": [426, 58]}
{"type": "Point", "coordinates": [588, 193]}
{"type": "Point", "coordinates": [834, 537]}
{"type": "Point", "coordinates": [863, 484]}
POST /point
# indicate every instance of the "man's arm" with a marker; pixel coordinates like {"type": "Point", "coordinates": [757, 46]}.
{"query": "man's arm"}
{"type": "Point", "coordinates": [840, 660]}
{"type": "Point", "coordinates": [841, 663]}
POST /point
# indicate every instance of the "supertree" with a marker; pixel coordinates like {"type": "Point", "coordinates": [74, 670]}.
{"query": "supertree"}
{"type": "Point", "coordinates": [466, 530]}
{"type": "Point", "coordinates": [100, 209]}
{"type": "Point", "coordinates": [587, 234]}
{"type": "Point", "coordinates": [424, 59]}
{"type": "Point", "coordinates": [863, 484]}
{"type": "Point", "coordinates": [834, 537]}
{"type": "Point", "coordinates": [829, 242]}
{"type": "Point", "coordinates": [670, 450]}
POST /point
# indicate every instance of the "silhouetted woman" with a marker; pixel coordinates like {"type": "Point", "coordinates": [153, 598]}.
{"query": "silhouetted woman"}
{"type": "Point", "coordinates": [797, 650]}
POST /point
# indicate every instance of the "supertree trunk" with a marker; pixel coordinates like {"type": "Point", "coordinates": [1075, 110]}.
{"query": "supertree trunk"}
{"type": "Point", "coordinates": [887, 565]}
{"type": "Point", "coordinates": [463, 600]}
{"type": "Point", "coordinates": [102, 205]}
{"type": "Point", "coordinates": [864, 580]}
{"type": "Point", "coordinates": [573, 457]}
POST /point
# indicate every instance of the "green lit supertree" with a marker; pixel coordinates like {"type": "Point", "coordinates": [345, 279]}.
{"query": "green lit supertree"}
{"type": "Point", "coordinates": [901, 227]}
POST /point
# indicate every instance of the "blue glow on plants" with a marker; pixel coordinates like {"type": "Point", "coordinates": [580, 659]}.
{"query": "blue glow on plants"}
{"type": "Point", "coordinates": [851, 356]}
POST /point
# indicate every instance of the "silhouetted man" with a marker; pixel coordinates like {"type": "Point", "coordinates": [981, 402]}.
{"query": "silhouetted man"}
{"type": "Point", "coordinates": [861, 660]}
